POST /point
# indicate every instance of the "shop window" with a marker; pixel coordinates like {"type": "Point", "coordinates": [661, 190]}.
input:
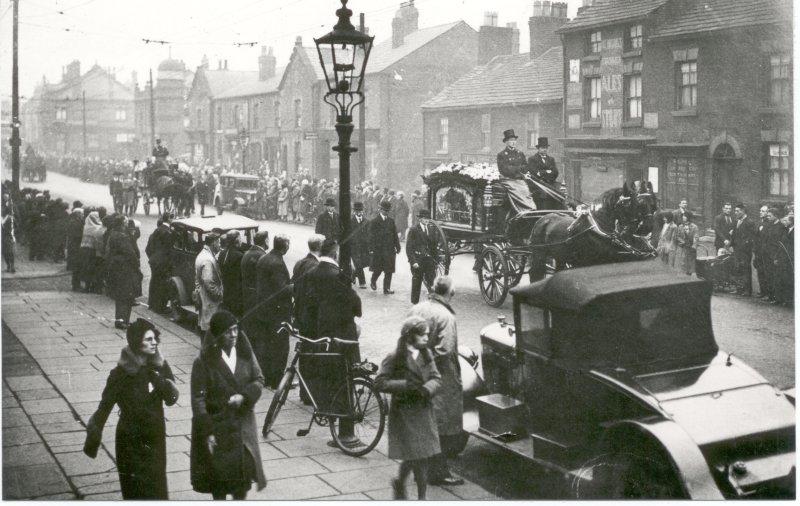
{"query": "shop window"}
{"type": "Point", "coordinates": [593, 97]}
{"type": "Point", "coordinates": [780, 174]}
{"type": "Point", "coordinates": [780, 93]}
{"type": "Point", "coordinates": [633, 97]}
{"type": "Point", "coordinates": [634, 38]}
{"type": "Point", "coordinates": [687, 85]}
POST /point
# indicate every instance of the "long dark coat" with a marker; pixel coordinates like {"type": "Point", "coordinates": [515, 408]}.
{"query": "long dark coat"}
{"type": "Point", "coordinates": [212, 384]}
{"type": "Point", "coordinates": [274, 291]}
{"type": "Point", "coordinates": [328, 226]}
{"type": "Point", "coordinates": [300, 283]}
{"type": "Point", "coordinates": [401, 215]}
{"type": "Point", "coordinates": [543, 168]}
{"type": "Point", "coordinates": [140, 391]}
{"type": "Point", "coordinates": [122, 267]}
{"type": "Point", "coordinates": [333, 304]}
{"type": "Point", "coordinates": [230, 266]}
{"type": "Point", "coordinates": [248, 268]}
{"type": "Point", "coordinates": [384, 244]}
{"type": "Point", "coordinates": [412, 424]}
{"type": "Point", "coordinates": [158, 249]}
{"type": "Point", "coordinates": [74, 236]}
{"type": "Point", "coordinates": [359, 242]}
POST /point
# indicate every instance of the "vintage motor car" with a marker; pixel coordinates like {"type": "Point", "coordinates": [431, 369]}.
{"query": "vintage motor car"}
{"type": "Point", "coordinates": [612, 376]}
{"type": "Point", "coordinates": [188, 236]}
{"type": "Point", "coordinates": [236, 192]}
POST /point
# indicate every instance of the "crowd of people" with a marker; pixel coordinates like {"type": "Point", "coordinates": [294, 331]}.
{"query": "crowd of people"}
{"type": "Point", "coordinates": [742, 244]}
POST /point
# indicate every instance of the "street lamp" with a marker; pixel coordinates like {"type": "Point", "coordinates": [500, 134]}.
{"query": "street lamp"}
{"type": "Point", "coordinates": [343, 54]}
{"type": "Point", "coordinates": [244, 139]}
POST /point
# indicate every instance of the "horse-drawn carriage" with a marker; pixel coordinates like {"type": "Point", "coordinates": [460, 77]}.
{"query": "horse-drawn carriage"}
{"type": "Point", "coordinates": [34, 167]}
{"type": "Point", "coordinates": [167, 184]}
{"type": "Point", "coordinates": [470, 213]}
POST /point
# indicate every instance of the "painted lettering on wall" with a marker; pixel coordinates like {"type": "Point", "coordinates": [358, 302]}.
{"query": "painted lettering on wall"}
{"type": "Point", "coordinates": [574, 71]}
{"type": "Point", "coordinates": [611, 118]}
{"type": "Point", "coordinates": [611, 83]}
{"type": "Point", "coordinates": [612, 44]}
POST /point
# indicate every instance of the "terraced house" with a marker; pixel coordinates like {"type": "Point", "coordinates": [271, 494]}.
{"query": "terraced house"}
{"type": "Point", "coordinates": [695, 96]}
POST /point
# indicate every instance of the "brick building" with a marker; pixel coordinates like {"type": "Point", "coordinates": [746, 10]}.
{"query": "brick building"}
{"type": "Point", "coordinates": [521, 91]}
{"type": "Point", "coordinates": [695, 96]}
{"type": "Point", "coordinates": [172, 83]}
{"type": "Point", "coordinates": [60, 115]}
{"type": "Point", "coordinates": [403, 72]}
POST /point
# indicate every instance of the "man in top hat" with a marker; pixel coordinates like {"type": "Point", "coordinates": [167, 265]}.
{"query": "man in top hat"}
{"type": "Point", "coordinates": [359, 243]}
{"type": "Point", "coordinates": [160, 152]}
{"type": "Point", "coordinates": [513, 165]}
{"type": "Point", "coordinates": [421, 253]}
{"type": "Point", "coordinates": [384, 246]}
{"type": "Point", "coordinates": [541, 165]}
{"type": "Point", "coordinates": [328, 221]}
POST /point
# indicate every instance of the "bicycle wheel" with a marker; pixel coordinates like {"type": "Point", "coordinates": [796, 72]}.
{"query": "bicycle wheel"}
{"type": "Point", "coordinates": [369, 417]}
{"type": "Point", "coordinates": [278, 400]}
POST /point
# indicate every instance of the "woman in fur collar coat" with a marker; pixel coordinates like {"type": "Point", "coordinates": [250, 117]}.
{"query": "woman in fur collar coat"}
{"type": "Point", "coordinates": [226, 384]}
{"type": "Point", "coordinates": [141, 383]}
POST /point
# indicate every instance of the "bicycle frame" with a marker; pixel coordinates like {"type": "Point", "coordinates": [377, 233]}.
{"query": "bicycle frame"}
{"type": "Point", "coordinates": [295, 371]}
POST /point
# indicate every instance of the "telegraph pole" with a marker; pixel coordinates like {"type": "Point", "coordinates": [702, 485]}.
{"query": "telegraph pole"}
{"type": "Point", "coordinates": [362, 119]}
{"type": "Point", "coordinates": [83, 104]}
{"type": "Point", "coordinates": [15, 139]}
{"type": "Point", "coordinates": [152, 114]}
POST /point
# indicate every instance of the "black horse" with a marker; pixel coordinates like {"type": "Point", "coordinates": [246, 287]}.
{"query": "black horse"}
{"type": "Point", "coordinates": [607, 233]}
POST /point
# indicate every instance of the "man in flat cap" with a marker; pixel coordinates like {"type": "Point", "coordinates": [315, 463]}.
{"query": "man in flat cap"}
{"type": "Point", "coordinates": [328, 221]}
{"type": "Point", "coordinates": [421, 253]}
{"type": "Point", "coordinates": [384, 247]}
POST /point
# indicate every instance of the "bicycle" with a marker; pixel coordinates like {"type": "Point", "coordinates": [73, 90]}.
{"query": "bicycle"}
{"type": "Point", "coordinates": [354, 397]}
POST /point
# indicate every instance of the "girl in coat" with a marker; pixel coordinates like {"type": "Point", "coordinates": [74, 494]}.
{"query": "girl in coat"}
{"type": "Point", "coordinates": [410, 375]}
{"type": "Point", "coordinates": [141, 383]}
{"type": "Point", "coordinates": [667, 241]}
{"type": "Point", "coordinates": [124, 277]}
{"type": "Point", "coordinates": [226, 384]}
{"type": "Point", "coordinates": [688, 240]}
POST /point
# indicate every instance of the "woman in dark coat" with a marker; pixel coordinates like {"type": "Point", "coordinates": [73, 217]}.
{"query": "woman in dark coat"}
{"type": "Point", "coordinates": [226, 384]}
{"type": "Point", "coordinates": [410, 375]}
{"type": "Point", "coordinates": [122, 269]}
{"type": "Point", "coordinates": [141, 384]}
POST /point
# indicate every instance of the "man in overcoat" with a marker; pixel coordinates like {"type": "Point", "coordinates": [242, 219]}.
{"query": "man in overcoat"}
{"type": "Point", "coordinates": [448, 404]}
{"type": "Point", "coordinates": [116, 190]}
{"type": "Point", "coordinates": [230, 265]}
{"type": "Point", "coordinates": [742, 239]}
{"type": "Point", "coordinates": [723, 227]}
{"type": "Point", "coordinates": [274, 291]}
{"type": "Point", "coordinates": [513, 165]}
{"type": "Point", "coordinates": [760, 260]}
{"type": "Point", "coordinates": [328, 221]}
{"type": "Point", "coordinates": [384, 247]}
{"type": "Point", "coordinates": [249, 300]}
{"type": "Point", "coordinates": [359, 244]}
{"type": "Point", "coordinates": [301, 286]}
{"type": "Point", "coordinates": [208, 280]}
{"type": "Point", "coordinates": [772, 251]}
{"type": "Point", "coordinates": [421, 253]}
{"type": "Point", "coordinates": [158, 249]}
{"type": "Point", "coordinates": [541, 165]}
{"type": "Point", "coordinates": [401, 215]}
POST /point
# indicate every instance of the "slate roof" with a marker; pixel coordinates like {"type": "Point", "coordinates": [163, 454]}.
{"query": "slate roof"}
{"type": "Point", "coordinates": [253, 86]}
{"type": "Point", "coordinates": [383, 55]}
{"type": "Point", "coordinates": [513, 79]}
{"type": "Point", "coordinates": [712, 15]}
{"type": "Point", "coordinates": [607, 12]}
{"type": "Point", "coordinates": [221, 81]}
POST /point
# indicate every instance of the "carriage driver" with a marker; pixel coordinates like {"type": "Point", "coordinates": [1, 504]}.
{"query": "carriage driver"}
{"type": "Point", "coordinates": [512, 165]}
{"type": "Point", "coordinates": [160, 152]}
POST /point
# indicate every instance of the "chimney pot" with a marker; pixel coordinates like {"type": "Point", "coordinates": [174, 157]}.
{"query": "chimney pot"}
{"type": "Point", "coordinates": [512, 25]}
{"type": "Point", "coordinates": [537, 8]}
{"type": "Point", "coordinates": [546, 11]}
{"type": "Point", "coordinates": [298, 41]}
{"type": "Point", "coordinates": [490, 18]}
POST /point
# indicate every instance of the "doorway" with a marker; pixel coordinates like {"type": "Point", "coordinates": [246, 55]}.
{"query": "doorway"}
{"type": "Point", "coordinates": [722, 182]}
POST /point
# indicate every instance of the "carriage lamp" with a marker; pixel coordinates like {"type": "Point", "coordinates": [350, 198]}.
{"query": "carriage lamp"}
{"type": "Point", "coordinates": [343, 55]}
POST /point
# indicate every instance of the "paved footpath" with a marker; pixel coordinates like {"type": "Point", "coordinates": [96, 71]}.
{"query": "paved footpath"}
{"type": "Point", "coordinates": [58, 348]}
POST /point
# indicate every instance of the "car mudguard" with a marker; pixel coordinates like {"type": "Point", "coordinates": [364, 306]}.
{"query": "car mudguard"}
{"type": "Point", "coordinates": [686, 457]}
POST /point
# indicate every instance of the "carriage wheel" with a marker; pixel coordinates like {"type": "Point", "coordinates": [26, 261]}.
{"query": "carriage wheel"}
{"type": "Point", "coordinates": [516, 267]}
{"type": "Point", "coordinates": [442, 251]}
{"type": "Point", "coordinates": [493, 276]}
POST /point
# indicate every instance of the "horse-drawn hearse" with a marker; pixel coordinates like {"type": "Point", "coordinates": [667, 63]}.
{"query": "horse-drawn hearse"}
{"type": "Point", "coordinates": [470, 213]}
{"type": "Point", "coordinates": [611, 376]}
{"type": "Point", "coordinates": [167, 184]}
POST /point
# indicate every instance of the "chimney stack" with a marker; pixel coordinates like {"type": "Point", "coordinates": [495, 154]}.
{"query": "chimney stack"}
{"type": "Point", "coordinates": [496, 40]}
{"type": "Point", "coordinates": [547, 18]}
{"type": "Point", "coordinates": [266, 64]}
{"type": "Point", "coordinates": [73, 71]}
{"type": "Point", "coordinates": [406, 21]}
{"type": "Point", "coordinates": [298, 42]}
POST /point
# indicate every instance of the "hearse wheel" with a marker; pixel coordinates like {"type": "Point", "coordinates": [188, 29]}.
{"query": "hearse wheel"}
{"type": "Point", "coordinates": [493, 276]}
{"type": "Point", "coordinates": [636, 469]}
{"type": "Point", "coordinates": [442, 251]}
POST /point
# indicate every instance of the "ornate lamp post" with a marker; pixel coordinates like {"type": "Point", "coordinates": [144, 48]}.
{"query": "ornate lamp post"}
{"type": "Point", "coordinates": [244, 139]}
{"type": "Point", "coordinates": [343, 54]}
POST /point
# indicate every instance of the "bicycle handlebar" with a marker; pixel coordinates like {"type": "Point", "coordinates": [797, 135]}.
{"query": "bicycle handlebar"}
{"type": "Point", "coordinates": [292, 331]}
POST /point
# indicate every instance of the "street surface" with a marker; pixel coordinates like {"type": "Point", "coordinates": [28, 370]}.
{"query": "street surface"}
{"type": "Point", "coordinates": [757, 332]}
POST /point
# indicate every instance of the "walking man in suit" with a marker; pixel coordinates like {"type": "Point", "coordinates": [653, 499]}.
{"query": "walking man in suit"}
{"type": "Point", "coordinates": [328, 222]}
{"type": "Point", "coordinates": [359, 244]}
{"type": "Point", "coordinates": [421, 253]}
{"type": "Point", "coordinates": [384, 247]}
{"type": "Point", "coordinates": [742, 240]}
{"type": "Point", "coordinates": [274, 291]}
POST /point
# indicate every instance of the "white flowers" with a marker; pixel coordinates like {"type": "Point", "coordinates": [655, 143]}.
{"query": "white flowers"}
{"type": "Point", "coordinates": [476, 171]}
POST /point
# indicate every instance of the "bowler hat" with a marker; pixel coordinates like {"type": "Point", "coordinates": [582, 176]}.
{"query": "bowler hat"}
{"type": "Point", "coordinates": [509, 134]}
{"type": "Point", "coordinates": [330, 202]}
{"type": "Point", "coordinates": [386, 205]}
{"type": "Point", "coordinates": [358, 206]}
{"type": "Point", "coordinates": [423, 213]}
{"type": "Point", "coordinates": [541, 142]}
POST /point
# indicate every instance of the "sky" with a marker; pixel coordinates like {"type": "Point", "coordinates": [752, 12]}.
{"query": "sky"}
{"type": "Point", "coordinates": [111, 32]}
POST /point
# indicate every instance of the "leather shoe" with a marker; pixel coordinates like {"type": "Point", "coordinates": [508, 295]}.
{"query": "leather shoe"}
{"type": "Point", "coordinates": [364, 286]}
{"type": "Point", "coordinates": [447, 480]}
{"type": "Point", "coordinates": [398, 489]}
{"type": "Point", "coordinates": [388, 292]}
{"type": "Point", "coordinates": [373, 286]}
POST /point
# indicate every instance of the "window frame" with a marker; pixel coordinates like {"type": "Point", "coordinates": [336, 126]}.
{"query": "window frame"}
{"type": "Point", "coordinates": [680, 86]}
{"type": "Point", "coordinates": [784, 187]}
{"type": "Point", "coordinates": [486, 130]}
{"type": "Point", "coordinates": [595, 42]}
{"type": "Point", "coordinates": [629, 98]}
{"type": "Point", "coordinates": [444, 134]}
{"type": "Point", "coordinates": [784, 65]}
{"type": "Point", "coordinates": [630, 37]}
{"type": "Point", "coordinates": [298, 113]}
{"type": "Point", "coordinates": [593, 83]}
